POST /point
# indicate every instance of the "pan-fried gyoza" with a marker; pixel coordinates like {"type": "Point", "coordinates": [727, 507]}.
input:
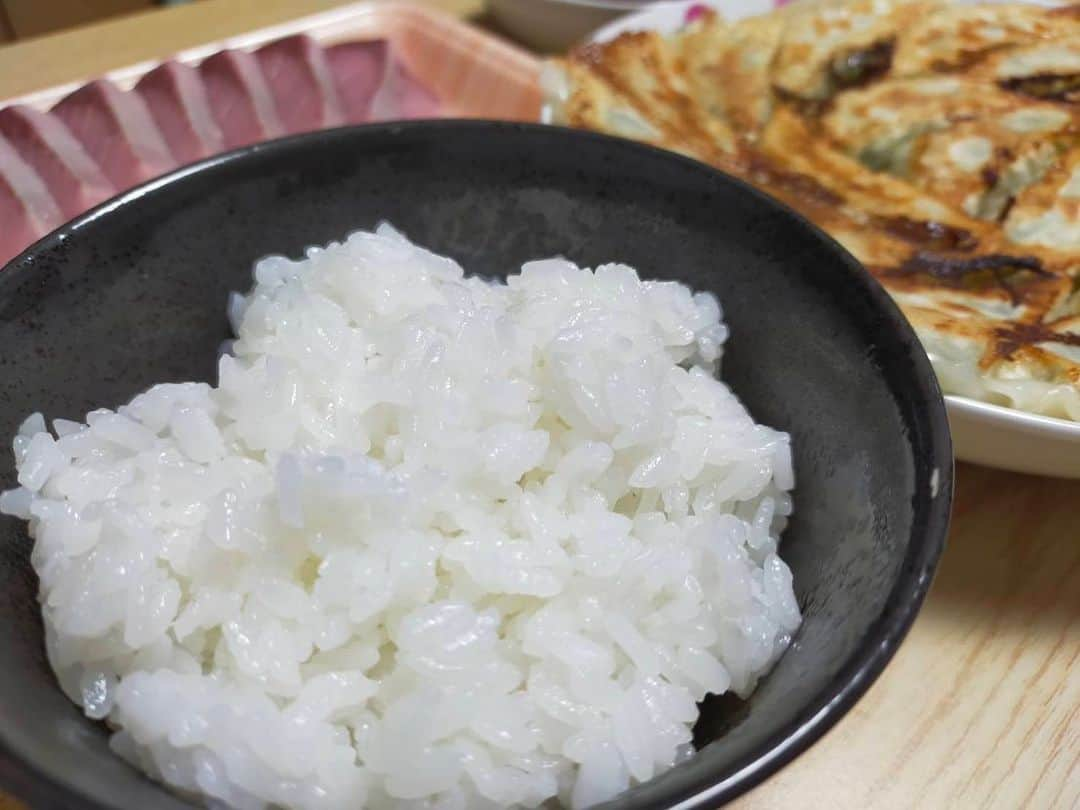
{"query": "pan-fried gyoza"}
{"type": "Point", "coordinates": [939, 142]}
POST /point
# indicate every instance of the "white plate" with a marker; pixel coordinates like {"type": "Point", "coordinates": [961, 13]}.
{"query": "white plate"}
{"type": "Point", "coordinates": [982, 433]}
{"type": "Point", "coordinates": [1013, 440]}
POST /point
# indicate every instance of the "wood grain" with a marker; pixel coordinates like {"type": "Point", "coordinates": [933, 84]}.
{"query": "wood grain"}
{"type": "Point", "coordinates": [981, 706]}
{"type": "Point", "coordinates": [6, 31]}
{"type": "Point", "coordinates": [94, 49]}
{"type": "Point", "coordinates": [31, 18]}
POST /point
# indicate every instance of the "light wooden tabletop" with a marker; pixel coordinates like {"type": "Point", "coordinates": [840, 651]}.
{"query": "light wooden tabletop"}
{"type": "Point", "coordinates": [981, 706]}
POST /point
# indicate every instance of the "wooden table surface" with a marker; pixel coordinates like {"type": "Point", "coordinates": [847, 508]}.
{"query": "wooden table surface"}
{"type": "Point", "coordinates": [981, 706]}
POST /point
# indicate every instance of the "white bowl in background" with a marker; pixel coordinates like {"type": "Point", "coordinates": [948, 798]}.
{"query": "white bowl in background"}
{"type": "Point", "coordinates": [555, 25]}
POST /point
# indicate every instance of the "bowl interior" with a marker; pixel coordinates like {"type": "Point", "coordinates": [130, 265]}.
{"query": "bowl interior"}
{"type": "Point", "coordinates": [135, 292]}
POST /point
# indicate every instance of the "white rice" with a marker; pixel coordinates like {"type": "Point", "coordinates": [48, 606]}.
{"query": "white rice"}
{"type": "Point", "coordinates": [433, 542]}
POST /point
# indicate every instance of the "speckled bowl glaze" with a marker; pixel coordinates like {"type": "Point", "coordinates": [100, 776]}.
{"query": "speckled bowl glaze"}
{"type": "Point", "coordinates": [134, 293]}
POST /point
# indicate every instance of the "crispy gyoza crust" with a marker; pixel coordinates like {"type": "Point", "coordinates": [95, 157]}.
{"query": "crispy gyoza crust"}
{"type": "Point", "coordinates": [971, 145]}
{"type": "Point", "coordinates": [1047, 213]}
{"type": "Point", "coordinates": [956, 185]}
{"type": "Point", "coordinates": [1048, 70]}
{"type": "Point", "coordinates": [729, 68]}
{"type": "Point", "coordinates": [644, 68]}
{"type": "Point", "coordinates": [830, 45]}
{"type": "Point", "coordinates": [956, 37]}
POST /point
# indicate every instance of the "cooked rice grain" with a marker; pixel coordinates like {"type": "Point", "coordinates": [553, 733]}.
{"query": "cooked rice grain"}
{"type": "Point", "coordinates": [432, 542]}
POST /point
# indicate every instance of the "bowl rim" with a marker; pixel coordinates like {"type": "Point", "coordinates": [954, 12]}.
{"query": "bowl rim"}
{"type": "Point", "coordinates": [935, 472]}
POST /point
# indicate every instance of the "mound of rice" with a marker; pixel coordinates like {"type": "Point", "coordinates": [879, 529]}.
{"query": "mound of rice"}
{"type": "Point", "coordinates": [432, 542]}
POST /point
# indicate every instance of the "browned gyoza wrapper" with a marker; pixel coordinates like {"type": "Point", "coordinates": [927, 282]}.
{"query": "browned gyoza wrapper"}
{"type": "Point", "coordinates": [940, 143]}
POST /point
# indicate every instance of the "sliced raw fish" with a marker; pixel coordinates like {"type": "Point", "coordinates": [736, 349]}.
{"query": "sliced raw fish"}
{"type": "Point", "coordinates": [300, 79]}
{"type": "Point", "coordinates": [74, 180]}
{"type": "Point", "coordinates": [177, 99]}
{"type": "Point", "coordinates": [359, 70]}
{"type": "Point", "coordinates": [240, 98]}
{"type": "Point", "coordinates": [403, 96]}
{"type": "Point", "coordinates": [117, 131]}
{"type": "Point", "coordinates": [27, 209]}
{"type": "Point", "coordinates": [376, 86]}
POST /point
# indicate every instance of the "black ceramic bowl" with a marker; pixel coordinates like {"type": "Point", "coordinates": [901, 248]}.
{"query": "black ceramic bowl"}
{"type": "Point", "coordinates": [134, 293]}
